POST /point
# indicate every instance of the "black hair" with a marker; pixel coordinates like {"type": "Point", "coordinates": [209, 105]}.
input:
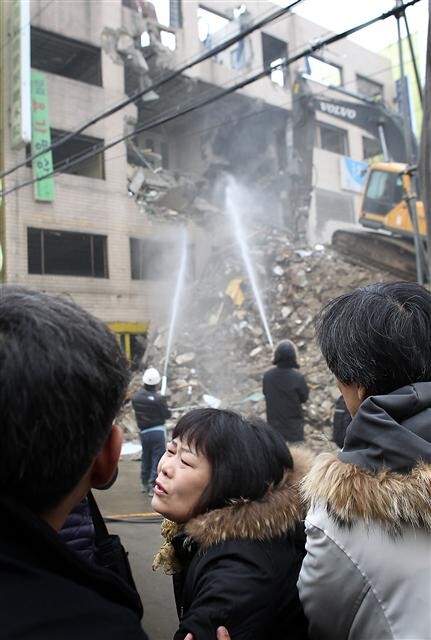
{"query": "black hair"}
{"type": "Point", "coordinates": [246, 455]}
{"type": "Point", "coordinates": [378, 336]}
{"type": "Point", "coordinates": [285, 355]}
{"type": "Point", "coordinates": [62, 381]}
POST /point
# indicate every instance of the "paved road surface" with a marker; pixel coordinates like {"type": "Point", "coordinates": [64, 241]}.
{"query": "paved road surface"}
{"type": "Point", "coordinates": [142, 541]}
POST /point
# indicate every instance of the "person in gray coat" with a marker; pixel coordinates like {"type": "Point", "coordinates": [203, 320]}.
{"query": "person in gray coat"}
{"type": "Point", "coordinates": [367, 571]}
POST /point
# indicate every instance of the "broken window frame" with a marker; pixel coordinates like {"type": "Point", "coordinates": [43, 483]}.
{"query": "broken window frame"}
{"type": "Point", "coordinates": [175, 12]}
{"type": "Point", "coordinates": [326, 80]}
{"type": "Point", "coordinates": [41, 241]}
{"type": "Point", "coordinates": [363, 81]}
{"type": "Point", "coordinates": [92, 56]}
{"type": "Point", "coordinates": [64, 151]}
{"type": "Point", "coordinates": [215, 13]}
{"type": "Point", "coordinates": [279, 76]}
{"type": "Point", "coordinates": [330, 128]}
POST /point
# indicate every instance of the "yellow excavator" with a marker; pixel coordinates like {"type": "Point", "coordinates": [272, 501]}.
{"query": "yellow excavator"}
{"type": "Point", "coordinates": [386, 208]}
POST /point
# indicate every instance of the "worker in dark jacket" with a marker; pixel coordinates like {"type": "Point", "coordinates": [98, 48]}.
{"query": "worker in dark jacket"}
{"type": "Point", "coordinates": [285, 390]}
{"type": "Point", "coordinates": [63, 379]}
{"type": "Point", "coordinates": [151, 411]}
{"type": "Point", "coordinates": [234, 537]}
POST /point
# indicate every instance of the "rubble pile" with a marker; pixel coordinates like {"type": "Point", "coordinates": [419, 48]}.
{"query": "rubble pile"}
{"type": "Point", "coordinates": [221, 351]}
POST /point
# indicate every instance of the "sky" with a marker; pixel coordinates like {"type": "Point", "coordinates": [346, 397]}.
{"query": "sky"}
{"type": "Point", "coordinates": [338, 15]}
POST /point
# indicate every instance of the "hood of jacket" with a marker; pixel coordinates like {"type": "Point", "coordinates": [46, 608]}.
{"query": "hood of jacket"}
{"type": "Point", "coordinates": [383, 473]}
{"type": "Point", "coordinates": [391, 432]}
{"type": "Point", "coordinates": [277, 513]}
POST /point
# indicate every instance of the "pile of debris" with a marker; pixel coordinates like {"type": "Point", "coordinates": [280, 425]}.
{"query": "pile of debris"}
{"type": "Point", "coordinates": [221, 350]}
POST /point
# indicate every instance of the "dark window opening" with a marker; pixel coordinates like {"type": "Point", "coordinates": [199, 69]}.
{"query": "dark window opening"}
{"type": "Point", "coordinates": [66, 253]}
{"type": "Point", "coordinates": [371, 148]}
{"type": "Point", "coordinates": [274, 51]}
{"type": "Point", "coordinates": [93, 167]}
{"type": "Point", "coordinates": [332, 139]}
{"type": "Point", "coordinates": [157, 260]}
{"type": "Point", "coordinates": [63, 56]}
{"type": "Point", "coordinates": [369, 88]}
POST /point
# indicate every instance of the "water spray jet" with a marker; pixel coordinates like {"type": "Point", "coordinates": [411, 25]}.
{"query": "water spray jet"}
{"type": "Point", "coordinates": [178, 290]}
{"type": "Point", "coordinates": [231, 197]}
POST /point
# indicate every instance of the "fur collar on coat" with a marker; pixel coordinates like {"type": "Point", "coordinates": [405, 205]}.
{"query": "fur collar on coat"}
{"type": "Point", "coordinates": [352, 493]}
{"type": "Point", "coordinates": [278, 512]}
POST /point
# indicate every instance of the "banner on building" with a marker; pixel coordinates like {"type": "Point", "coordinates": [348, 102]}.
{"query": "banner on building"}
{"type": "Point", "coordinates": [41, 138]}
{"type": "Point", "coordinates": [353, 174]}
{"type": "Point", "coordinates": [19, 28]}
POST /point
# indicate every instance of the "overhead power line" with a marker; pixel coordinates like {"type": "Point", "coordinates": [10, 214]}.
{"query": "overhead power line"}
{"type": "Point", "coordinates": [202, 103]}
{"type": "Point", "coordinates": [156, 85]}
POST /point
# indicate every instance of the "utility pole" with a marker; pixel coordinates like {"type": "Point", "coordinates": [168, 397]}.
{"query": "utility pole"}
{"type": "Point", "coordinates": [421, 266]}
{"type": "Point", "coordinates": [425, 146]}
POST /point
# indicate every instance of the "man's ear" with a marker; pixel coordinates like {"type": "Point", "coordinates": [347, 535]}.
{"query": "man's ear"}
{"type": "Point", "coordinates": [362, 392]}
{"type": "Point", "coordinates": [106, 461]}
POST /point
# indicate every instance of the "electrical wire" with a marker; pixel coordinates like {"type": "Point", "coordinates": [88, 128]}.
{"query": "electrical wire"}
{"type": "Point", "coordinates": [199, 104]}
{"type": "Point", "coordinates": [155, 85]}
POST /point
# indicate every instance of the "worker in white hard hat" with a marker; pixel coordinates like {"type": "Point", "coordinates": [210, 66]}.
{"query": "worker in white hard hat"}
{"type": "Point", "coordinates": [151, 411]}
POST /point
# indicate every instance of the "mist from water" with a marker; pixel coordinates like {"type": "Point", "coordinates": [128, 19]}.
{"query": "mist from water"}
{"type": "Point", "coordinates": [234, 197]}
{"type": "Point", "coordinates": [174, 312]}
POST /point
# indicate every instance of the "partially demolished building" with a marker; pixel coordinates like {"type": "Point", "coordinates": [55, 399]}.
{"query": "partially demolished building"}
{"type": "Point", "coordinates": [108, 236]}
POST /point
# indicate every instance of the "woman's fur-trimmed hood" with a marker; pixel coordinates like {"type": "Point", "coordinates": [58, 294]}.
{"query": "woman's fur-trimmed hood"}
{"type": "Point", "coordinates": [351, 493]}
{"type": "Point", "coordinates": [278, 512]}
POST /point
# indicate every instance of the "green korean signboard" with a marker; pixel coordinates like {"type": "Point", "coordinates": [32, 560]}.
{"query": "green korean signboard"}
{"type": "Point", "coordinates": [41, 138]}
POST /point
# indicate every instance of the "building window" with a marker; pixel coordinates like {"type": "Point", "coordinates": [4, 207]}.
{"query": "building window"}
{"type": "Point", "coordinates": [209, 23]}
{"type": "Point", "coordinates": [166, 12]}
{"type": "Point", "coordinates": [371, 148]}
{"type": "Point", "coordinates": [157, 260]}
{"type": "Point", "coordinates": [369, 88]}
{"type": "Point", "coordinates": [324, 72]}
{"type": "Point", "coordinates": [274, 51]}
{"type": "Point", "coordinates": [63, 56]}
{"type": "Point", "coordinates": [66, 253]}
{"type": "Point", "coordinates": [93, 167]}
{"type": "Point", "coordinates": [332, 139]}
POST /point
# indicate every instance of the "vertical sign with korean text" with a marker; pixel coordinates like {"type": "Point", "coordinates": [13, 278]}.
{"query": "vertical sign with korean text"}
{"type": "Point", "coordinates": [41, 138]}
{"type": "Point", "coordinates": [20, 116]}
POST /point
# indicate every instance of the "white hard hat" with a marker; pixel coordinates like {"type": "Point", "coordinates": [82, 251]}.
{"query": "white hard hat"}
{"type": "Point", "coordinates": [151, 377]}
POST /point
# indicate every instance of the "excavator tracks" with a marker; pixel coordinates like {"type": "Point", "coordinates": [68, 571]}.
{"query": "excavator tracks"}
{"type": "Point", "coordinates": [395, 255]}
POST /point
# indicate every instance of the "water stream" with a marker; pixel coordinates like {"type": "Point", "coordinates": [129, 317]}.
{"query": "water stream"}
{"type": "Point", "coordinates": [233, 198]}
{"type": "Point", "coordinates": [176, 301]}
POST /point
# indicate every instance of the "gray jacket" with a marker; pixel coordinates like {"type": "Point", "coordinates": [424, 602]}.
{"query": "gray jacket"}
{"type": "Point", "coordinates": [367, 572]}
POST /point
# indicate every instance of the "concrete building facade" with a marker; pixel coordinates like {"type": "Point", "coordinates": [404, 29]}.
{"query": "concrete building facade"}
{"type": "Point", "coordinates": [80, 244]}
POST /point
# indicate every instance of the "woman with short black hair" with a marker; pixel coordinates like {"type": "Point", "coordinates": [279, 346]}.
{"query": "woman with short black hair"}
{"type": "Point", "coordinates": [234, 538]}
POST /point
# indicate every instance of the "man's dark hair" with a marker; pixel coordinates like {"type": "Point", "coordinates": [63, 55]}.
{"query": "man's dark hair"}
{"type": "Point", "coordinates": [62, 381]}
{"type": "Point", "coordinates": [245, 455]}
{"type": "Point", "coordinates": [378, 336]}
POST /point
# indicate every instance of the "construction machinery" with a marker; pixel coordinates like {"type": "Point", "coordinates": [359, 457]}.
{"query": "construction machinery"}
{"type": "Point", "coordinates": [389, 210]}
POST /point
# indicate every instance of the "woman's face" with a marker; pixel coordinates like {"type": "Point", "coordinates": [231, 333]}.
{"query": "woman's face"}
{"type": "Point", "coordinates": [183, 475]}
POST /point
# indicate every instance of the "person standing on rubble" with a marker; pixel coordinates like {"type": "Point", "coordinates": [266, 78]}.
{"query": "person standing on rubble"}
{"type": "Point", "coordinates": [285, 391]}
{"type": "Point", "coordinates": [151, 411]}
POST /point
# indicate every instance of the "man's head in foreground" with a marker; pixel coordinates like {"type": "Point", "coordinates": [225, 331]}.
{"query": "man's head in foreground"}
{"type": "Point", "coordinates": [377, 339]}
{"type": "Point", "coordinates": [62, 381]}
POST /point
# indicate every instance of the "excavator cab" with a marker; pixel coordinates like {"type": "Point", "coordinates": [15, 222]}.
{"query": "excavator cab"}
{"type": "Point", "coordinates": [383, 203]}
{"type": "Point", "coordinates": [388, 242]}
